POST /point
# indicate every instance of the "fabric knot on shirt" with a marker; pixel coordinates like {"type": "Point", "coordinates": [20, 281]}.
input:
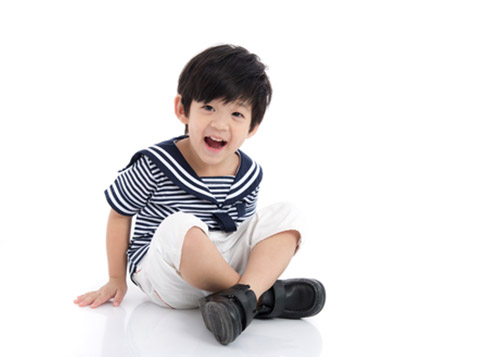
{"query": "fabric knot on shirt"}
{"type": "Point", "coordinates": [226, 222]}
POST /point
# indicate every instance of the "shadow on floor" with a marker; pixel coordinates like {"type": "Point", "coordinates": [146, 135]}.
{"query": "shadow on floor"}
{"type": "Point", "coordinates": [151, 330]}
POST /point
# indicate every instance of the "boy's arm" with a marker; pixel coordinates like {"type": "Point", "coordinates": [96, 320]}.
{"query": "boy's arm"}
{"type": "Point", "coordinates": [117, 240]}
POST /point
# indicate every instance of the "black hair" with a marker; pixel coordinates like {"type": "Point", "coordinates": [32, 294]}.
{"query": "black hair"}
{"type": "Point", "coordinates": [229, 73]}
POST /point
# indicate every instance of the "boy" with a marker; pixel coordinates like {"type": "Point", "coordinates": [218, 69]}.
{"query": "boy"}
{"type": "Point", "coordinates": [198, 240]}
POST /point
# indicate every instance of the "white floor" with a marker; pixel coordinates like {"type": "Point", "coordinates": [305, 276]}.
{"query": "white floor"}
{"type": "Point", "coordinates": [359, 319]}
{"type": "Point", "coordinates": [53, 326]}
{"type": "Point", "coordinates": [140, 328]}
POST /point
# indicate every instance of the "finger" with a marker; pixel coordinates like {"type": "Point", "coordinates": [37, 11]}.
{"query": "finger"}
{"type": "Point", "coordinates": [101, 299]}
{"type": "Point", "coordinates": [118, 298]}
{"type": "Point", "coordinates": [89, 299]}
{"type": "Point", "coordinates": [80, 298]}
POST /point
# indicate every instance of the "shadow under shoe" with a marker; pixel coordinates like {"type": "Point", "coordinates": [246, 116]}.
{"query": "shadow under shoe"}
{"type": "Point", "coordinates": [227, 313]}
{"type": "Point", "coordinates": [292, 299]}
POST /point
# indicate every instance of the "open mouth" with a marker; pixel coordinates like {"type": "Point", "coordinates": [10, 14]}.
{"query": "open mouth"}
{"type": "Point", "coordinates": [215, 143]}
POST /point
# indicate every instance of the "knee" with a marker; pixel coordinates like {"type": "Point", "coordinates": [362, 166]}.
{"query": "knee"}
{"type": "Point", "coordinates": [289, 209]}
{"type": "Point", "coordinates": [288, 213]}
{"type": "Point", "coordinates": [289, 217]}
{"type": "Point", "coordinates": [177, 225]}
{"type": "Point", "coordinates": [169, 238]}
{"type": "Point", "coordinates": [193, 240]}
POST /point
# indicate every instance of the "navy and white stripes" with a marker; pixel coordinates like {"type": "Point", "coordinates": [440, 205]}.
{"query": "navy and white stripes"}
{"type": "Point", "coordinates": [132, 189]}
{"type": "Point", "coordinates": [158, 182]}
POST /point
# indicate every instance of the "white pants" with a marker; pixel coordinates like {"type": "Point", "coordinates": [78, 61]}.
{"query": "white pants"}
{"type": "Point", "coordinates": [158, 272]}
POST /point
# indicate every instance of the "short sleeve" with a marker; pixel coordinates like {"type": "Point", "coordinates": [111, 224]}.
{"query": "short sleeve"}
{"type": "Point", "coordinates": [133, 188]}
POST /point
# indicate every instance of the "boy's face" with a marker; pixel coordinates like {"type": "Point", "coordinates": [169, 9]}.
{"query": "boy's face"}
{"type": "Point", "coordinates": [216, 130]}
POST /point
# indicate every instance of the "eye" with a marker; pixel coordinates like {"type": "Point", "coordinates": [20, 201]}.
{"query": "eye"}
{"type": "Point", "coordinates": [208, 108]}
{"type": "Point", "coordinates": [238, 115]}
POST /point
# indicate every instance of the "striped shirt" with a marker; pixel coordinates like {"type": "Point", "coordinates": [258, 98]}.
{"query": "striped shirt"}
{"type": "Point", "coordinates": [159, 182]}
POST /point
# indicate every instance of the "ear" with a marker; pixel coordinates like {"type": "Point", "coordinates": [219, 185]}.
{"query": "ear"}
{"type": "Point", "coordinates": [254, 130]}
{"type": "Point", "coordinates": [179, 109]}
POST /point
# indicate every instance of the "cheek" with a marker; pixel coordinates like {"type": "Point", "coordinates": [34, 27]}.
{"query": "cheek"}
{"type": "Point", "coordinates": [240, 138]}
{"type": "Point", "coordinates": [242, 130]}
{"type": "Point", "coordinates": [194, 130]}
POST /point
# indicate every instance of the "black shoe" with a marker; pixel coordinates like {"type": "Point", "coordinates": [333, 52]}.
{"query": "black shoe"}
{"type": "Point", "coordinates": [227, 313]}
{"type": "Point", "coordinates": [292, 299]}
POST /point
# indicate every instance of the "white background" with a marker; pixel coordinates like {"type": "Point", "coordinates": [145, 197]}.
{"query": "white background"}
{"type": "Point", "coordinates": [384, 127]}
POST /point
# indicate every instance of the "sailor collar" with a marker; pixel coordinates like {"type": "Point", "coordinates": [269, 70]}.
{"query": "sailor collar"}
{"type": "Point", "coordinates": [168, 158]}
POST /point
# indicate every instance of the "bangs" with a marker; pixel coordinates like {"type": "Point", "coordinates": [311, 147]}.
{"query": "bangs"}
{"type": "Point", "coordinates": [226, 81]}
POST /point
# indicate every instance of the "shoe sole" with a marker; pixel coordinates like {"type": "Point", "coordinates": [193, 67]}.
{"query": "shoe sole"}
{"type": "Point", "coordinates": [222, 320]}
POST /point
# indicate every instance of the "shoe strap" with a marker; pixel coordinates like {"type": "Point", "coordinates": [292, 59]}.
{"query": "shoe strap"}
{"type": "Point", "coordinates": [279, 299]}
{"type": "Point", "coordinates": [247, 300]}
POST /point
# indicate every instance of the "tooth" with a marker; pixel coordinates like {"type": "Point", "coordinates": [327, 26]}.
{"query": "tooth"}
{"type": "Point", "coordinates": [215, 139]}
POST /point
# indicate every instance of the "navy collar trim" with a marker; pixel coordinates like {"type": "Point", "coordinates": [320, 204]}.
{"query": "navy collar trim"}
{"type": "Point", "coordinates": [168, 158]}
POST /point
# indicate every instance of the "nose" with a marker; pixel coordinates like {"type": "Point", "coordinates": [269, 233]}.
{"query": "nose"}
{"type": "Point", "coordinates": [220, 122]}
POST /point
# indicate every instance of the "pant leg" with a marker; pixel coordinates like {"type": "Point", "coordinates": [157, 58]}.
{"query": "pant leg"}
{"type": "Point", "coordinates": [158, 273]}
{"type": "Point", "coordinates": [266, 222]}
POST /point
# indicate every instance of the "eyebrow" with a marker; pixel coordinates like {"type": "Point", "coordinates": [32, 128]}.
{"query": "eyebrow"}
{"type": "Point", "coordinates": [244, 105]}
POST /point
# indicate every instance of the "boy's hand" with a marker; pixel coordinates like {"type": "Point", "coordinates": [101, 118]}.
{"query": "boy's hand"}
{"type": "Point", "coordinates": [114, 289]}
